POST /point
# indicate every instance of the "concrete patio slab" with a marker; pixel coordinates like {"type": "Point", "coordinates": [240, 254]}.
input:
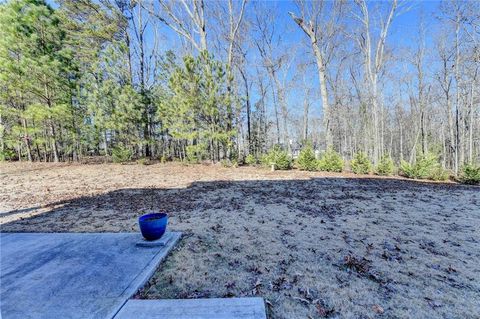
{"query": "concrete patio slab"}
{"type": "Point", "coordinates": [73, 275]}
{"type": "Point", "coordinates": [142, 242]}
{"type": "Point", "coordinates": [214, 308]}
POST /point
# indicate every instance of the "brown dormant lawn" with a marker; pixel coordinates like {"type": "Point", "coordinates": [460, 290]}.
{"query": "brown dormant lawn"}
{"type": "Point", "coordinates": [313, 245]}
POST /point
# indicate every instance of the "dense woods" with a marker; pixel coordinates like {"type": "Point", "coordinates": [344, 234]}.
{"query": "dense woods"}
{"type": "Point", "coordinates": [226, 80]}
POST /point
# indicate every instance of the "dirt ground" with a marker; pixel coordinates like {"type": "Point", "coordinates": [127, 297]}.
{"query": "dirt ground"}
{"type": "Point", "coordinates": [312, 245]}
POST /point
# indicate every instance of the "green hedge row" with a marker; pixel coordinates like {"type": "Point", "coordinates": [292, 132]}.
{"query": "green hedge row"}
{"type": "Point", "coordinates": [425, 167]}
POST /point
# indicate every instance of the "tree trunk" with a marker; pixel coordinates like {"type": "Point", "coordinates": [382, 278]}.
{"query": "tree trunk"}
{"type": "Point", "coordinates": [277, 122]}
{"type": "Point", "coordinates": [200, 11]}
{"type": "Point", "coordinates": [54, 144]}
{"type": "Point", "coordinates": [323, 93]}
{"type": "Point", "coordinates": [401, 142]}
{"type": "Point", "coordinates": [471, 122]}
{"type": "Point", "coordinates": [2, 139]}
{"type": "Point", "coordinates": [105, 146]}
{"type": "Point", "coordinates": [422, 127]}
{"type": "Point", "coordinates": [310, 31]}
{"type": "Point", "coordinates": [305, 117]}
{"type": "Point", "coordinates": [27, 140]}
{"type": "Point", "coordinates": [457, 82]}
{"type": "Point", "coordinates": [375, 132]}
{"type": "Point", "coordinates": [283, 105]}
{"type": "Point", "coordinates": [247, 97]}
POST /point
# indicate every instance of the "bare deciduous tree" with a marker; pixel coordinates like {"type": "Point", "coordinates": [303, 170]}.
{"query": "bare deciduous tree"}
{"type": "Point", "coordinates": [321, 29]}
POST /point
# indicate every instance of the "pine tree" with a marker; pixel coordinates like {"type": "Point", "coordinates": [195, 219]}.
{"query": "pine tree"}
{"type": "Point", "coordinates": [194, 109]}
{"type": "Point", "coordinates": [36, 71]}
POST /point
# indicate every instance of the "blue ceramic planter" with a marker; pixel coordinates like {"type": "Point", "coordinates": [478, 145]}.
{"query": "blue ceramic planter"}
{"type": "Point", "coordinates": [153, 226]}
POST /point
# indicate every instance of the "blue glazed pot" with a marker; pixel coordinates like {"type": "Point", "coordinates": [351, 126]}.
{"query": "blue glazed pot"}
{"type": "Point", "coordinates": [153, 226]}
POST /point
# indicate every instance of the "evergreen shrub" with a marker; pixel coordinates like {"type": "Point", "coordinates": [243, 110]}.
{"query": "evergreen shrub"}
{"type": "Point", "coordinates": [470, 174]}
{"type": "Point", "coordinates": [360, 164]}
{"type": "Point", "coordinates": [121, 154]}
{"type": "Point", "coordinates": [278, 158]}
{"type": "Point", "coordinates": [306, 159]}
{"type": "Point", "coordinates": [331, 161]}
{"type": "Point", "coordinates": [385, 167]}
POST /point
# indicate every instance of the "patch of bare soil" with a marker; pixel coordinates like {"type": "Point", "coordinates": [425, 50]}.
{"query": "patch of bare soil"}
{"type": "Point", "coordinates": [313, 245]}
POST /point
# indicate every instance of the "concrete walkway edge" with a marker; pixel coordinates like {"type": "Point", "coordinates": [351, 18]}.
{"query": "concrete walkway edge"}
{"type": "Point", "coordinates": [141, 279]}
{"type": "Point", "coordinates": [210, 308]}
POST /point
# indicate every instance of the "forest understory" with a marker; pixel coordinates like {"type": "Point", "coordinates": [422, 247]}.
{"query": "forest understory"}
{"type": "Point", "coordinates": [312, 244]}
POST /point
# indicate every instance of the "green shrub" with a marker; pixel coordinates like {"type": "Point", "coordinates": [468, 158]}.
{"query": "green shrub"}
{"type": "Point", "coordinates": [470, 174]}
{"type": "Point", "coordinates": [407, 169]}
{"type": "Point", "coordinates": [306, 159]}
{"type": "Point", "coordinates": [360, 164]}
{"type": "Point", "coordinates": [439, 174]}
{"type": "Point", "coordinates": [250, 160]}
{"type": "Point", "coordinates": [6, 155]}
{"type": "Point", "coordinates": [225, 163]}
{"type": "Point", "coordinates": [277, 157]}
{"type": "Point", "coordinates": [196, 153]}
{"type": "Point", "coordinates": [229, 163]}
{"type": "Point", "coordinates": [426, 167]}
{"type": "Point", "coordinates": [143, 161]}
{"type": "Point", "coordinates": [385, 166]}
{"type": "Point", "coordinates": [264, 160]}
{"type": "Point", "coordinates": [121, 154]}
{"type": "Point", "coordinates": [331, 161]}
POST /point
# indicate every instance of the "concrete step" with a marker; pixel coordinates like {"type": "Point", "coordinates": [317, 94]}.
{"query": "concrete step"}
{"type": "Point", "coordinates": [214, 308]}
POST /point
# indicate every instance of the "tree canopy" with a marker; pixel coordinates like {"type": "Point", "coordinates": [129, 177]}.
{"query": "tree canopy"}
{"type": "Point", "coordinates": [203, 80]}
